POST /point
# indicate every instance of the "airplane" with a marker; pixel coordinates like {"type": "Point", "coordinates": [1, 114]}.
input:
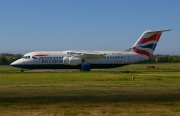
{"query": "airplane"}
{"type": "Point", "coordinates": [86, 60]}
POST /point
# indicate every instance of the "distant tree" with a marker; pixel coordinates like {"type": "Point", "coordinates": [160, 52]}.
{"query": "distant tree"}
{"type": "Point", "coordinates": [163, 59]}
{"type": "Point", "coordinates": [3, 61]}
{"type": "Point", "coordinates": [10, 60]}
{"type": "Point", "coordinates": [6, 58]}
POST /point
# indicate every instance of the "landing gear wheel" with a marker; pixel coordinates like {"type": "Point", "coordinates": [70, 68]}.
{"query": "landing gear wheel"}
{"type": "Point", "coordinates": [22, 70]}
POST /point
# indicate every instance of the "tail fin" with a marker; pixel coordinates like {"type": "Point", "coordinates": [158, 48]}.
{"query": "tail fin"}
{"type": "Point", "coordinates": [146, 44]}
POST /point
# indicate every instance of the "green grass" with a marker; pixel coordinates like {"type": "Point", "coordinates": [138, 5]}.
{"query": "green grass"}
{"type": "Point", "coordinates": [171, 67]}
{"type": "Point", "coordinates": [153, 92]}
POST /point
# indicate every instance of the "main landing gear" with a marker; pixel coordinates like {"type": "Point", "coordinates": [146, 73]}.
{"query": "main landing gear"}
{"type": "Point", "coordinates": [86, 67]}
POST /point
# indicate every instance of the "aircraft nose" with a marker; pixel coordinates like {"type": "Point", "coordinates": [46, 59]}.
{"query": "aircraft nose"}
{"type": "Point", "coordinates": [13, 64]}
{"type": "Point", "coordinates": [17, 63]}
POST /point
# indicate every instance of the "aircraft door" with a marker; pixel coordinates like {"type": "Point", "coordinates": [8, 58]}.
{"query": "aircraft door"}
{"type": "Point", "coordinates": [126, 58]}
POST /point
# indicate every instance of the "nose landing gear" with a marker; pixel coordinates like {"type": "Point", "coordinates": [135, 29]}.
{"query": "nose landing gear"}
{"type": "Point", "coordinates": [22, 70]}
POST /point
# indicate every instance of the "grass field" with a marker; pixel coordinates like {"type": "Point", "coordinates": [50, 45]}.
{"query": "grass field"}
{"type": "Point", "coordinates": [152, 92]}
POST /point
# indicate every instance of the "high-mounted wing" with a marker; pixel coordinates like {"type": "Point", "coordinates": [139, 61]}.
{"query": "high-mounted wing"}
{"type": "Point", "coordinates": [91, 55]}
{"type": "Point", "coordinates": [85, 54]}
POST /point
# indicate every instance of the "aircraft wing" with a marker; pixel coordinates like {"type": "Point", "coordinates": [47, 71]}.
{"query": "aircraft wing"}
{"type": "Point", "coordinates": [86, 55]}
{"type": "Point", "coordinates": [91, 55]}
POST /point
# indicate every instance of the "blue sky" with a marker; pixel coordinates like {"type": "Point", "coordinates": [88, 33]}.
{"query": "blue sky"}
{"type": "Point", "coordinates": [34, 25]}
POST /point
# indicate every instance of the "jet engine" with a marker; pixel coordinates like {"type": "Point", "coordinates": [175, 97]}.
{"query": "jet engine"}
{"type": "Point", "coordinates": [66, 60]}
{"type": "Point", "coordinates": [75, 61]}
{"type": "Point", "coordinates": [72, 60]}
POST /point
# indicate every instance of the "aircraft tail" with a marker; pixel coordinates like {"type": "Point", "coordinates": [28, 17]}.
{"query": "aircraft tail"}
{"type": "Point", "coordinates": [146, 44]}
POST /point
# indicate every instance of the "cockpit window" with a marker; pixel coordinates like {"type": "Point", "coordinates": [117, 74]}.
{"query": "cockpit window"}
{"type": "Point", "coordinates": [23, 57]}
{"type": "Point", "coordinates": [26, 57]}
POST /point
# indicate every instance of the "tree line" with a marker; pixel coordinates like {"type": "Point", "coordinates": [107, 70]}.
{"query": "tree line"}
{"type": "Point", "coordinates": [6, 59]}
{"type": "Point", "coordinates": [163, 59]}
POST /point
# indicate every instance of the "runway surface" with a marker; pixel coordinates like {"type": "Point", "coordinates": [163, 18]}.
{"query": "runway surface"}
{"type": "Point", "coordinates": [77, 70]}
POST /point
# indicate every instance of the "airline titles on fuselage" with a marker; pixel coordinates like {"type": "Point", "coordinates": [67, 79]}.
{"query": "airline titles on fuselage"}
{"type": "Point", "coordinates": [50, 60]}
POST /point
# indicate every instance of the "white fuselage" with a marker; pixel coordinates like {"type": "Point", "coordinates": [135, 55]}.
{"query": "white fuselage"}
{"type": "Point", "coordinates": [72, 59]}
